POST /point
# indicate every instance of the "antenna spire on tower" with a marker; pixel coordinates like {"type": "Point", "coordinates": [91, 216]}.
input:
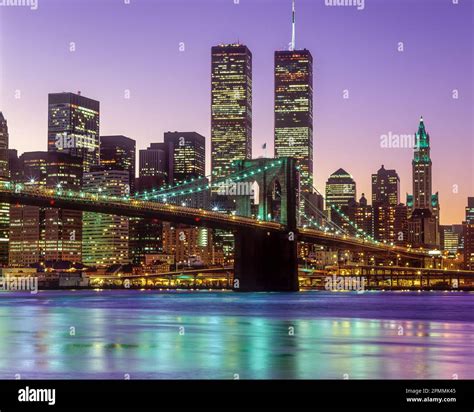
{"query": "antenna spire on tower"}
{"type": "Point", "coordinates": [293, 31]}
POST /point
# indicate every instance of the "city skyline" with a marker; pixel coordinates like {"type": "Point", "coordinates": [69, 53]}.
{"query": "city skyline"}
{"type": "Point", "coordinates": [338, 121]}
{"type": "Point", "coordinates": [237, 190]}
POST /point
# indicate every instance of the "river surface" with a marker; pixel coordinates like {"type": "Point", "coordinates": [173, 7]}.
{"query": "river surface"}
{"type": "Point", "coordinates": [226, 335]}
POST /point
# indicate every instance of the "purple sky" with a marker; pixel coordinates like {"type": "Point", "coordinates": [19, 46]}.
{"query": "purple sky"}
{"type": "Point", "coordinates": [135, 47]}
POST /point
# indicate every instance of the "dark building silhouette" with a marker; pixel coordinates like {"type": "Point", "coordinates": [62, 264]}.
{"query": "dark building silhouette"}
{"type": "Point", "coordinates": [186, 156]}
{"type": "Point", "coordinates": [385, 187]}
{"type": "Point", "coordinates": [73, 127]}
{"type": "Point", "coordinates": [119, 153]}
{"type": "Point", "coordinates": [14, 166]}
{"type": "Point", "coordinates": [4, 177]}
{"type": "Point", "coordinates": [468, 235]}
{"type": "Point", "coordinates": [153, 162]}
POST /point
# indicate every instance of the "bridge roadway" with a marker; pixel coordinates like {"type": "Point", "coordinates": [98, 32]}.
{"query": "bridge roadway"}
{"type": "Point", "coordinates": [26, 195]}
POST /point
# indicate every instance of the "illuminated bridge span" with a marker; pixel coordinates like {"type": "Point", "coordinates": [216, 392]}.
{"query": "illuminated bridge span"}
{"type": "Point", "coordinates": [265, 240]}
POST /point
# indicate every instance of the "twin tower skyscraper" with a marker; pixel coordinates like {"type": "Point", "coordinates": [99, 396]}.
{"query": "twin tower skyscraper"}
{"type": "Point", "coordinates": [231, 107]}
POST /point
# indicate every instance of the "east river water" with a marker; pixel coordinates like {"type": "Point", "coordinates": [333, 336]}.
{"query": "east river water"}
{"type": "Point", "coordinates": [226, 335]}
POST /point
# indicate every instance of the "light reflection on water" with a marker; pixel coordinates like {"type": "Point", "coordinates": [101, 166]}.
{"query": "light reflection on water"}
{"type": "Point", "coordinates": [375, 335]}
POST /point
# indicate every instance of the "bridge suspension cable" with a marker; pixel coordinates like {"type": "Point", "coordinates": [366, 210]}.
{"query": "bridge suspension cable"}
{"type": "Point", "coordinates": [184, 188]}
{"type": "Point", "coordinates": [329, 224]}
{"type": "Point", "coordinates": [359, 231]}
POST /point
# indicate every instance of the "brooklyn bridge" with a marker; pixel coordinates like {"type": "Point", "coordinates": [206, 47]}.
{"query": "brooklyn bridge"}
{"type": "Point", "coordinates": [266, 226]}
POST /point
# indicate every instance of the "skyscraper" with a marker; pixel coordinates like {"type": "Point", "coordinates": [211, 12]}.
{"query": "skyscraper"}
{"type": "Point", "coordinates": [73, 127]}
{"type": "Point", "coordinates": [389, 216]}
{"type": "Point", "coordinates": [27, 231]}
{"type": "Point", "coordinates": [340, 189]}
{"type": "Point", "coordinates": [468, 235]}
{"type": "Point", "coordinates": [294, 111]}
{"type": "Point", "coordinates": [146, 234]}
{"type": "Point", "coordinates": [449, 239]}
{"type": "Point", "coordinates": [186, 156]}
{"type": "Point", "coordinates": [14, 166]}
{"type": "Point", "coordinates": [3, 147]}
{"type": "Point", "coordinates": [153, 163]}
{"type": "Point", "coordinates": [46, 234]}
{"type": "Point", "coordinates": [401, 224]}
{"type": "Point", "coordinates": [186, 153]}
{"type": "Point", "coordinates": [385, 187]}
{"type": "Point", "coordinates": [294, 108]}
{"type": "Point", "coordinates": [421, 166]}
{"type": "Point", "coordinates": [4, 176]}
{"type": "Point", "coordinates": [423, 224]}
{"type": "Point", "coordinates": [105, 237]}
{"type": "Point", "coordinates": [231, 106]}
{"type": "Point", "coordinates": [363, 216]}
{"type": "Point", "coordinates": [470, 210]}
{"type": "Point", "coordinates": [63, 227]}
{"type": "Point", "coordinates": [118, 153]}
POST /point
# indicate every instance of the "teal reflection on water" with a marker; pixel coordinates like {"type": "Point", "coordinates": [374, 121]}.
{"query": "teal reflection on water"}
{"type": "Point", "coordinates": [311, 335]}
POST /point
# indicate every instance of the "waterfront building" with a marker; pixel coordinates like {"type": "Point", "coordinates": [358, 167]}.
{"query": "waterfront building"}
{"type": "Point", "coordinates": [46, 234]}
{"type": "Point", "coordinates": [146, 235]}
{"type": "Point", "coordinates": [105, 237]}
{"type": "Point", "coordinates": [63, 227]}
{"type": "Point", "coordinates": [468, 234]}
{"type": "Point", "coordinates": [189, 245]}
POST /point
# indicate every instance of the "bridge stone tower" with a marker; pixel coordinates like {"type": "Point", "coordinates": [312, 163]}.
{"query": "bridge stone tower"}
{"type": "Point", "coordinates": [267, 261]}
